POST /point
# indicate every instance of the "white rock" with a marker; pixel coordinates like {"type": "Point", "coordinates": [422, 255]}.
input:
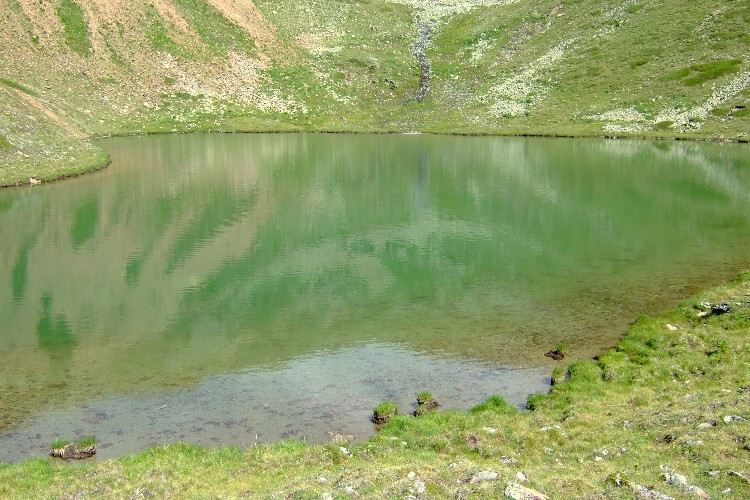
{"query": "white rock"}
{"type": "Point", "coordinates": [521, 476]}
{"type": "Point", "coordinates": [485, 475]}
{"type": "Point", "coordinates": [739, 475]}
{"type": "Point", "coordinates": [681, 483]}
{"type": "Point", "coordinates": [413, 475]}
{"type": "Point", "coordinates": [733, 418]}
{"type": "Point", "coordinates": [419, 487]}
{"type": "Point", "coordinates": [322, 480]}
{"type": "Point", "coordinates": [518, 492]}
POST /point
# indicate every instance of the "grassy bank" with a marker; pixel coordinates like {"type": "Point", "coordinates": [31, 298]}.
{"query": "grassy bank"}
{"type": "Point", "coordinates": [667, 411]}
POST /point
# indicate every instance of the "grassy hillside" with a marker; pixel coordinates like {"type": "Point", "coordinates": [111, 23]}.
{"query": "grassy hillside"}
{"type": "Point", "coordinates": [665, 413]}
{"type": "Point", "coordinates": [74, 69]}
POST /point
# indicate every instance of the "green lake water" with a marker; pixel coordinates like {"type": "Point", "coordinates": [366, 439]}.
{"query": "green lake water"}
{"type": "Point", "coordinates": [236, 289]}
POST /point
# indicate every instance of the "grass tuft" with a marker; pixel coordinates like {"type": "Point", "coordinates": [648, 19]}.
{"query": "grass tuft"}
{"type": "Point", "coordinates": [86, 442]}
{"type": "Point", "coordinates": [59, 443]}
{"type": "Point", "coordinates": [384, 412]}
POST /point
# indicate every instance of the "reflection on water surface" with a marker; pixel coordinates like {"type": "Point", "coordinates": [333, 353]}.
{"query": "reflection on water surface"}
{"type": "Point", "coordinates": [202, 258]}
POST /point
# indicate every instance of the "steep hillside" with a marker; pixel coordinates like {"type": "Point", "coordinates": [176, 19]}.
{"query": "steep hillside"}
{"type": "Point", "coordinates": [74, 69]}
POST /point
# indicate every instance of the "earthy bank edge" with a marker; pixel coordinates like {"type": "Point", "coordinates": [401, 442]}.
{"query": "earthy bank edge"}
{"type": "Point", "coordinates": [667, 412]}
{"type": "Point", "coordinates": [90, 158]}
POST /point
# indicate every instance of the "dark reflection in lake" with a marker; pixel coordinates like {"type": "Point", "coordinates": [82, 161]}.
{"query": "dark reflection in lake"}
{"type": "Point", "coordinates": [249, 258]}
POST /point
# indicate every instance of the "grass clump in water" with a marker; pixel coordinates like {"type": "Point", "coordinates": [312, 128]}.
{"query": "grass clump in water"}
{"type": "Point", "coordinates": [58, 444]}
{"type": "Point", "coordinates": [86, 442]}
{"type": "Point", "coordinates": [426, 403]}
{"type": "Point", "coordinates": [383, 412]}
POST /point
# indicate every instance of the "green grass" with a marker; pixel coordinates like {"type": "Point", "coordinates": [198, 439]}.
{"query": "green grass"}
{"type": "Point", "coordinates": [4, 143]}
{"type": "Point", "coordinates": [86, 442]}
{"type": "Point", "coordinates": [59, 443]}
{"type": "Point", "coordinates": [18, 86]}
{"type": "Point", "coordinates": [424, 396]}
{"type": "Point", "coordinates": [73, 19]}
{"type": "Point", "coordinates": [697, 74]}
{"type": "Point", "coordinates": [384, 411]}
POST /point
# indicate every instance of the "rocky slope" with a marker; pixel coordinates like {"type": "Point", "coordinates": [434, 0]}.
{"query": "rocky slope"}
{"type": "Point", "coordinates": [74, 69]}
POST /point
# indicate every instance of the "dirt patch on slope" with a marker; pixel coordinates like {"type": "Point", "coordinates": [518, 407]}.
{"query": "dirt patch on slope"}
{"type": "Point", "coordinates": [247, 16]}
{"type": "Point", "coordinates": [45, 22]}
{"type": "Point", "coordinates": [44, 108]}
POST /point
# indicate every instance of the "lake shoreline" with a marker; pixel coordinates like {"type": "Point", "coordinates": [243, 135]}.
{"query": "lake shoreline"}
{"type": "Point", "coordinates": [665, 412]}
{"type": "Point", "coordinates": [31, 178]}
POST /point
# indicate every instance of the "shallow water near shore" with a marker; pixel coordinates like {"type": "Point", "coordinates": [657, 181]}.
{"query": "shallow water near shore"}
{"type": "Point", "coordinates": [228, 290]}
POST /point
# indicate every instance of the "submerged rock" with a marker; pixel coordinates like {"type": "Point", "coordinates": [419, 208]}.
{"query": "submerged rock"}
{"type": "Point", "coordinates": [555, 354]}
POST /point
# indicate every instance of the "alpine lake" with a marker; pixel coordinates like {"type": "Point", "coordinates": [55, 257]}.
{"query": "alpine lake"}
{"type": "Point", "coordinates": [239, 289]}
